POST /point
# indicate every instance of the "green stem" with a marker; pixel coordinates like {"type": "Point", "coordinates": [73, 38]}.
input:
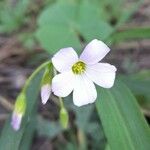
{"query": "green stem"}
{"type": "Point", "coordinates": [33, 75]}
{"type": "Point", "coordinates": [61, 102]}
{"type": "Point", "coordinates": [82, 140]}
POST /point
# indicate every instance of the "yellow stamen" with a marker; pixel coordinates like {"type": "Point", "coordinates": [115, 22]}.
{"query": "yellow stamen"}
{"type": "Point", "coordinates": [79, 67]}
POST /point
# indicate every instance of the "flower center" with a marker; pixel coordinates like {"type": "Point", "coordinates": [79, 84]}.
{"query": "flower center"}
{"type": "Point", "coordinates": [79, 67]}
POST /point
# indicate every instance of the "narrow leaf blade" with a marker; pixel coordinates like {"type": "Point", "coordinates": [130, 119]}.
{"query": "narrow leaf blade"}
{"type": "Point", "coordinates": [10, 139]}
{"type": "Point", "coordinates": [123, 123]}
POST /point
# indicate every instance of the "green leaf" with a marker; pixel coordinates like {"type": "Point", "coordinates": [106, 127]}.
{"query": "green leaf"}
{"type": "Point", "coordinates": [132, 33]}
{"type": "Point", "coordinates": [83, 116]}
{"type": "Point", "coordinates": [56, 27]}
{"type": "Point", "coordinates": [137, 86]}
{"type": "Point", "coordinates": [10, 139]}
{"type": "Point", "coordinates": [61, 25]}
{"type": "Point", "coordinates": [107, 147]}
{"type": "Point", "coordinates": [47, 128]}
{"type": "Point", "coordinates": [90, 23]}
{"type": "Point", "coordinates": [61, 13]}
{"type": "Point", "coordinates": [55, 37]}
{"type": "Point", "coordinates": [26, 140]}
{"type": "Point", "coordinates": [124, 125]}
{"type": "Point", "coordinates": [13, 16]}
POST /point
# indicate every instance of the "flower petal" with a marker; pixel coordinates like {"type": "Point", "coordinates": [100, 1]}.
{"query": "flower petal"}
{"type": "Point", "coordinates": [94, 52]}
{"type": "Point", "coordinates": [84, 91]}
{"type": "Point", "coordinates": [16, 121]}
{"type": "Point", "coordinates": [62, 84]}
{"type": "Point", "coordinates": [102, 74]}
{"type": "Point", "coordinates": [64, 59]}
{"type": "Point", "coordinates": [45, 93]}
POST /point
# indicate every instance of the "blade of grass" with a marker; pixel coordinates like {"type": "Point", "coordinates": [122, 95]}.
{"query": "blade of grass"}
{"type": "Point", "coordinates": [131, 33]}
{"type": "Point", "coordinates": [10, 139]}
{"type": "Point", "coordinates": [124, 125]}
{"type": "Point", "coordinates": [29, 132]}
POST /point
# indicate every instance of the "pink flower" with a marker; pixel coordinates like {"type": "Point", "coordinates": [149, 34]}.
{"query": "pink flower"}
{"type": "Point", "coordinates": [78, 74]}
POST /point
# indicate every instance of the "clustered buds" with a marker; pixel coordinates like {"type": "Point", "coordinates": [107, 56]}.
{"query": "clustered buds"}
{"type": "Point", "coordinates": [19, 111]}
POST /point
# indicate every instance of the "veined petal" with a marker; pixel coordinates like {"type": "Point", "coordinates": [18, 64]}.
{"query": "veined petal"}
{"type": "Point", "coordinates": [62, 84]}
{"type": "Point", "coordinates": [84, 91]}
{"type": "Point", "coordinates": [64, 59]}
{"type": "Point", "coordinates": [103, 74]}
{"type": "Point", "coordinates": [16, 120]}
{"type": "Point", "coordinates": [45, 93]}
{"type": "Point", "coordinates": [94, 52]}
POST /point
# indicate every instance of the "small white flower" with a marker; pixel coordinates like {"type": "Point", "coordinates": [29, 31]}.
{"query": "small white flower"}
{"type": "Point", "coordinates": [78, 74]}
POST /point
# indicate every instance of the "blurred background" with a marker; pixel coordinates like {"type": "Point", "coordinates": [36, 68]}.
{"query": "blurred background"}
{"type": "Point", "coordinates": [32, 31]}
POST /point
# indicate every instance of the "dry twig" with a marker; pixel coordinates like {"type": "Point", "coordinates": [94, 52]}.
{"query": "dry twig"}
{"type": "Point", "coordinates": [6, 104]}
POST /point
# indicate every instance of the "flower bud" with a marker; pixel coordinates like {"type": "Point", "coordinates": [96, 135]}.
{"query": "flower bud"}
{"type": "Point", "coordinates": [64, 118]}
{"type": "Point", "coordinates": [19, 111]}
{"type": "Point", "coordinates": [46, 84]}
{"type": "Point", "coordinates": [16, 121]}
